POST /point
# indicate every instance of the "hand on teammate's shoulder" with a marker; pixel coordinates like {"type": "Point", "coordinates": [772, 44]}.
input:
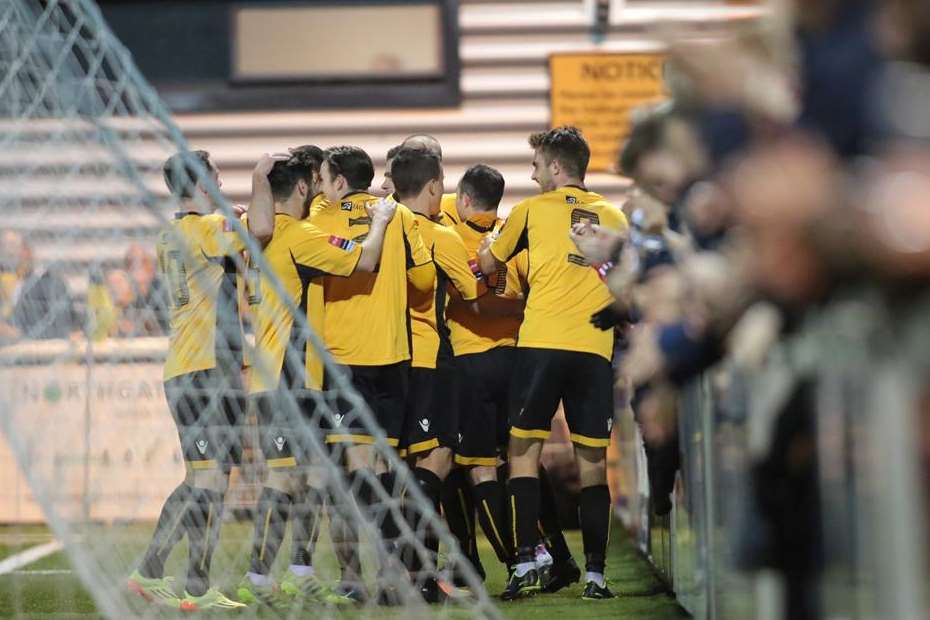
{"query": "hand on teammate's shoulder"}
{"type": "Point", "coordinates": [382, 210]}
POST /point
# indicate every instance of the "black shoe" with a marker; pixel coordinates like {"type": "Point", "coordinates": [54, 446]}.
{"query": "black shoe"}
{"type": "Point", "coordinates": [594, 592]}
{"type": "Point", "coordinates": [388, 596]}
{"type": "Point", "coordinates": [353, 591]}
{"type": "Point", "coordinates": [561, 575]}
{"type": "Point", "coordinates": [518, 587]}
{"type": "Point", "coordinates": [432, 593]}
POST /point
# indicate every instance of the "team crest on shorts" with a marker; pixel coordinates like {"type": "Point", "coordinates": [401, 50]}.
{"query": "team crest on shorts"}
{"type": "Point", "coordinates": [424, 424]}
{"type": "Point", "coordinates": [279, 443]}
{"type": "Point", "coordinates": [202, 446]}
{"type": "Point", "coordinates": [347, 205]}
{"type": "Point", "coordinates": [338, 418]}
{"type": "Point", "coordinates": [610, 424]}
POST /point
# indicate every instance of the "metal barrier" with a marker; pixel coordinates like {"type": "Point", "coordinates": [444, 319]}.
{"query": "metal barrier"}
{"type": "Point", "coordinates": [866, 364]}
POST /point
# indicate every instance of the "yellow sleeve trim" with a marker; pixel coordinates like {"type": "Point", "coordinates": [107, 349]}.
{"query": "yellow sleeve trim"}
{"type": "Point", "coordinates": [423, 446]}
{"type": "Point", "coordinates": [359, 439]}
{"type": "Point", "coordinates": [288, 461]}
{"type": "Point", "coordinates": [197, 465]}
{"type": "Point", "coordinates": [590, 441]}
{"type": "Point", "coordinates": [532, 434]}
{"type": "Point", "coordinates": [483, 461]}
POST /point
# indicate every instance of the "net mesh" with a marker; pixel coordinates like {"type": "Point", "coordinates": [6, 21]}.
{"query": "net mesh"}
{"type": "Point", "coordinates": [84, 318]}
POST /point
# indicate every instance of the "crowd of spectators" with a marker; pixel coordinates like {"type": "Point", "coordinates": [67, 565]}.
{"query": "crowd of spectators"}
{"type": "Point", "coordinates": [771, 185]}
{"type": "Point", "coordinates": [36, 302]}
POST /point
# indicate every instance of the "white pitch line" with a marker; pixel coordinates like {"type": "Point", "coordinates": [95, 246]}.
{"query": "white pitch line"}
{"type": "Point", "coordinates": [30, 555]}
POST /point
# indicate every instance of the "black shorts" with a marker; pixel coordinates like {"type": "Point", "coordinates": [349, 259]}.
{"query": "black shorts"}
{"type": "Point", "coordinates": [484, 401]}
{"type": "Point", "coordinates": [384, 388]}
{"type": "Point", "coordinates": [582, 381]}
{"type": "Point", "coordinates": [208, 407]}
{"type": "Point", "coordinates": [432, 414]}
{"type": "Point", "coordinates": [290, 426]}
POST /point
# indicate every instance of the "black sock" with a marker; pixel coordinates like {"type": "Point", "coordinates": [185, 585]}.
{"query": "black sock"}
{"type": "Point", "coordinates": [305, 521]}
{"type": "Point", "coordinates": [202, 524]}
{"type": "Point", "coordinates": [168, 532]}
{"type": "Point", "coordinates": [458, 505]}
{"type": "Point", "coordinates": [549, 519]}
{"type": "Point", "coordinates": [344, 534]}
{"type": "Point", "coordinates": [524, 512]}
{"type": "Point", "coordinates": [389, 529]}
{"type": "Point", "coordinates": [431, 486]}
{"type": "Point", "coordinates": [270, 523]}
{"type": "Point", "coordinates": [489, 503]}
{"type": "Point", "coordinates": [594, 514]}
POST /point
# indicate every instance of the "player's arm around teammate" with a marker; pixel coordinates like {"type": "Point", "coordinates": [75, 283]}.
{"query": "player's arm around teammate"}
{"type": "Point", "coordinates": [297, 253]}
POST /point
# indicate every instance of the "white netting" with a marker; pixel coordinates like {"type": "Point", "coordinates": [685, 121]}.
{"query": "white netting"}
{"type": "Point", "coordinates": [82, 142]}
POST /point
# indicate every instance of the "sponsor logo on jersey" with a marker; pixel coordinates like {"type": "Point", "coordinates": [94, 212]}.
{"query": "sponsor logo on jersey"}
{"type": "Point", "coordinates": [279, 443]}
{"type": "Point", "coordinates": [359, 221]}
{"type": "Point", "coordinates": [342, 242]}
{"type": "Point", "coordinates": [424, 424]}
{"type": "Point", "coordinates": [577, 259]}
{"type": "Point", "coordinates": [202, 446]}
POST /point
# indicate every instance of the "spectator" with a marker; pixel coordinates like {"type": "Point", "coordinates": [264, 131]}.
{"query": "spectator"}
{"type": "Point", "coordinates": [148, 308]}
{"type": "Point", "coordinates": [40, 305]}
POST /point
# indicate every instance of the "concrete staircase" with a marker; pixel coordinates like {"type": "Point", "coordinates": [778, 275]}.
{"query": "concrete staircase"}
{"type": "Point", "coordinates": [504, 48]}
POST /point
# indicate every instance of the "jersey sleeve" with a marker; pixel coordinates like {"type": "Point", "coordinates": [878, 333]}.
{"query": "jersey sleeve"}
{"type": "Point", "coordinates": [326, 253]}
{"type": "Point", "coordinates": [513, 283]}
{"type": "Point", "coordinates": [512, 238]}
{"type": "Point", "coordinates": [415, 249]}
{"type": "Point", "coordinates": [451, 257]}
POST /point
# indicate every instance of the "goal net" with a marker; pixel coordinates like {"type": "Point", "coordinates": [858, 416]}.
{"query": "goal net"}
{"type": "Point", "coordinates": [90, 449]}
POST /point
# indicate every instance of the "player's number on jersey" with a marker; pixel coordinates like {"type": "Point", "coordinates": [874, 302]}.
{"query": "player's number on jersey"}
{"type": "Point", "coordinates": [177, 279]}
{"type": "Point", "coordinates": [253, 284]}
{"type": "Point", "coordinates": [583, 215]}
{"type": "Point", "coordinates": [580, 216]}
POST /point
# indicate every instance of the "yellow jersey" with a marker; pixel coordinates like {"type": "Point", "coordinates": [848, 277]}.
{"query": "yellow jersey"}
{"type": "Point", "coordinates": [196, 256]}
{"type": "Point", "coordinates": [448, 213]}
{"type": "Point", "coordinates": [298, 253]}
{"type": "Point", "coordinates": [564, 289]}
{"type": "Point", "coordinates": [428, 309]}
{"type": "Point", "coordinates": [365, 316]}
{"type": "Point", "coordinates": [476, 334]}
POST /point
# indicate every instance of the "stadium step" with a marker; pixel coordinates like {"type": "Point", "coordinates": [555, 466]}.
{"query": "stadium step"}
{"type": "Point", "coordinates": [504, 49]}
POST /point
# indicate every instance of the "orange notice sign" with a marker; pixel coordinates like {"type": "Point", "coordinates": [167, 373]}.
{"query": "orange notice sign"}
{"type": "Point", "coordinates": [595, 92]}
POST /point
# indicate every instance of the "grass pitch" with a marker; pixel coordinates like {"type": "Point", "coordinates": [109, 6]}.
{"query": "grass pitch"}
{"type": "Point", "coordinates": [48, 588]}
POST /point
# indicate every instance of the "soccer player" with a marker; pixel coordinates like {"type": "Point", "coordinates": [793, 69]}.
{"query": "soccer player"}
{"type": "Point", "coordinates": [447, 212]}
{"type": "Point", "coordinates": [458, 502]}
{"type": "Point", "coordinates": [196, 253]}
{"type": "Point", "coordinates": [431, 429]}
{"type": "Point", "coordinates": [365, 323]}
{"type": "Point", "coordinates": [561, 356]}
{"type": "Point", "coordinates": [484, 350]}
{"type": "Point", "coordinates": [285, 371]}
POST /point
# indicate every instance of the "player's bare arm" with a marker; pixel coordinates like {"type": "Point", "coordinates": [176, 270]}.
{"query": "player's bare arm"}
{"type": "Point", "coordinates": [261, 206]}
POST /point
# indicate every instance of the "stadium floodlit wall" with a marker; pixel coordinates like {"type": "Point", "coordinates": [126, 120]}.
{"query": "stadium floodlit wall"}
{"type": "Point", "coordinates": [864, 361]}
{"type": "Point", "coordinates": [197, 53]}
